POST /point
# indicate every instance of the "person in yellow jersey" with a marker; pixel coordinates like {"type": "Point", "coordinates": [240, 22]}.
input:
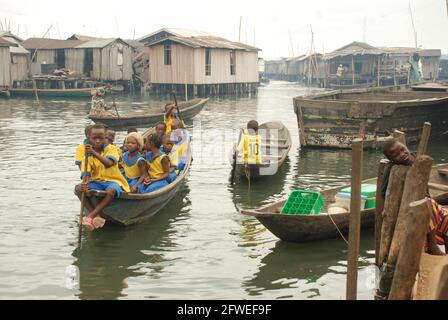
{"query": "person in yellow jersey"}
{"type": "Point", "coordinates": [81, 148]}
{"type": "Point", "coordinates": [170, 115]}
{"type": "Point", "coordinates": [110, 139]}
{"type": "Point", "coordinates": [158, 166]}
{"type": "Point", "coordinates": [250, 144]}
{"type": "Point", "coordinates": [102, 174]}
{"type": "Point", "coordinates": [132, 162]}
{"type": "Point", "coordinates": [176, 162]}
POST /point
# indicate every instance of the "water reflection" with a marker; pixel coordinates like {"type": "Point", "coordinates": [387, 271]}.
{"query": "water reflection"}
{"type": "Point", "coordinates": [112, 255]}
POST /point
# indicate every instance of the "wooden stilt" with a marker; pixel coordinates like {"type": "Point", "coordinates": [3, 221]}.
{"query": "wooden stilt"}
{"type": "Point", "coordinates": [423, 146]}
{"type": "Point", "coordinates": [400, 136]}
{"type": "Point", "coordinates": [354, 220]}
{"type": "Point", "coordinates": [379, 209]}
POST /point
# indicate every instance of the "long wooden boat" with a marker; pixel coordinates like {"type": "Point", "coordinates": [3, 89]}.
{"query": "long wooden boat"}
{"type": "Point", "coordinates": [68, 93]}
{"type": "Point", "coordinates": [333, 119]}
{"type": "Point", "coordinates": [303, 228]}
{"type": "Point", "coordinates": [188, 110]}
{"type": "Point", "coordinates": [275, 145]}
{"type": "Point", "coordinates": [132, 208]}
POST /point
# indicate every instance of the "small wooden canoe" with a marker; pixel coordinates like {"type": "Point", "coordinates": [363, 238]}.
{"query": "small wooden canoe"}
{"type": "Point", "coordinates": [63, 93]}
{"type": "Point", "coordinates": [188, 110]}
{"type": "Point", "coordinates": [275, 145]}
{"type": "Point", "coordinates": [303, 228]}
{"type": "Point", "coordinates": [131, 208]}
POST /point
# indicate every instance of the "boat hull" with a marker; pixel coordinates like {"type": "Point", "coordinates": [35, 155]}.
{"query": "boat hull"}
{"type": "Point", "coordinates": [333, 120]}
{"type": "Point", "coordinates": [69, 93]}
{"type": "Point", "coordinates": [187, 112]}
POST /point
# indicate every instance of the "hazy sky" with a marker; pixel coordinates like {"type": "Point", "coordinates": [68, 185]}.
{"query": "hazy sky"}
{"type": "Point", "coordinates": [278, 27]}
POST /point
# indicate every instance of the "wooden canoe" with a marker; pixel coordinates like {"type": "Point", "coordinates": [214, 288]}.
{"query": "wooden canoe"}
{"type": "Point", "coordinates": [275, 145]}
{"type": "Point", "coordinates": [302, 228]}
{"type": "Point", "coordinates": [188, 110]}
{"type": "Point", "coordinates": [132, 208]}
{"type": "Point", "coordinates": [68, 93]}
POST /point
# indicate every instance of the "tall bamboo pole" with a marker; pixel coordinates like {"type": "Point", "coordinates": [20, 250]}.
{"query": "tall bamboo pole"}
{"type": "Point", "coordinates": [354, 220]}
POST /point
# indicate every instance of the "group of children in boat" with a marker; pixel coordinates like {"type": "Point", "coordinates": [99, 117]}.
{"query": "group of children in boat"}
{"type": "Point", "coordinates": [140, 165]}
{"type": "Point", "coordinates": [398, 154]}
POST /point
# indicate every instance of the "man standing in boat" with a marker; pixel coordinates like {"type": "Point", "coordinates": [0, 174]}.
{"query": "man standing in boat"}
{"type": "Point", "coordinates": [98, 107]}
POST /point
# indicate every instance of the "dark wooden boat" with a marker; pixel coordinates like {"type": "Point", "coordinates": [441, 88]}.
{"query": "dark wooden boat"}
{"type": "Point", "coordinates": [67, 93]}
{"type": "Point", "coordinates": [188, 110]}
{"type": "Point", "coordinates": [275, 145]}
{"type": "Point", "coordinates": [132, 208]}
{"type": "Point", "coordinates": [333, 119]}
{"type": "Point", "coordinates": [303, 228]}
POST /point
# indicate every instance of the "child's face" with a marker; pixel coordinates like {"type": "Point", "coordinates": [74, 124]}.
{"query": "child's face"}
{"type": "Point", "coordinates": [160, 129]}
{"type": "Point", "coordinates": [399, 153]}
{"type": "Point", "coordinates": [97, 138]}
{"type": "Point", "coordinates": [167, 145]}
{"type": "Point", "coordinates": [131, 144]}
{"type": "Point", "coordinates": [110, 137]}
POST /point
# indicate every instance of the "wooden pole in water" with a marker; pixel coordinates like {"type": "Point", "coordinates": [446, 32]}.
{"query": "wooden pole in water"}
{"type": "Point", "coordinates": [423, 145]}
{"type": "Point", "coordinates": [415, 225]}
{"type": "Point", "coordinates": [354, 220]}
{"type": "Point", "coordinates": [186, 88]}
{"type": "Point", "coordinates": [379, 209]}
{"type": "Point", "coordinates": [378, 71]}
{"type": "Point", "coordinates": [353, 71]}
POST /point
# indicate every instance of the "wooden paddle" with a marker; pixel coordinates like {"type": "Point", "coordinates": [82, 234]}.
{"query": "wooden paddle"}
{"type": "Point", "coordinates": [83, 200]}
{"type": "Point", "coordinates": [232, 175]}
{"type": "Point", "coordinates": [175, 103]}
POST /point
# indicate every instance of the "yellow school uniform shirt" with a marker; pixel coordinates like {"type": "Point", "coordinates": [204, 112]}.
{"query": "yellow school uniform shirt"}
{"type": "Point", "coordinates": [98, 172]}
{"type": "Point", "coordinates": [251, 147]}
{"type": "Point", "coordinates": [120, 152]}
{"type": "Point", "coordinates": [169, 121]}
{"type": "Point", "coordinates": [155, 167]}
{"type": "Point", "coordinates": [131, 169]}
{"type": "Point", "coordinates": [80, 152]}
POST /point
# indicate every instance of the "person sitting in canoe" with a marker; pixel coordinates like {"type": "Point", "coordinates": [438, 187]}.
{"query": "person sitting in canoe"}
{"type": "Point", "coordinates": [110, 139]}
{"type": "Point", "coordinates": [133, 163]}
{"type": "Point", "coordinates": [98, 107]}
{"type": "Point", "coordinates": [398, 154]}
{"type": "Point", "coordinates": [250, 144]}
{"type": "Point", "coordinates": [102, 174]}
{"type": "Point", "coordinates": [158, 166]}
{"type": "Point", "coordinates": [160, 127]}
{"type": "Point", "coordinates": [170, 115]}
{"type": "Point", "coordinates": [176, 163]}
{"type": "Point", "coordinates": [123, 147]}
{"type": "Point", "coordinates": [80, 149]}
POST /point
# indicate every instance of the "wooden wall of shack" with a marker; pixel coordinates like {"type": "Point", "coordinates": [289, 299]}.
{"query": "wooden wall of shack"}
{"type": "Point", "coordinates": [188, 65]}
{"type": "Point", "coordinates": [5, 70]}
{"type": "Point", "coordinates": [110, 70]}
{"type": "Point", "coordinates": [19, 67]}
{"type": "Point", "coordinates": [42, 56]}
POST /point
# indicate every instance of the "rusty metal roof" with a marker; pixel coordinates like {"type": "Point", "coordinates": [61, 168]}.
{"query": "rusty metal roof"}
{"type": "Point", "coordinates": [196, 39]}
{"type": "Point", "coordinates": [44, 43]}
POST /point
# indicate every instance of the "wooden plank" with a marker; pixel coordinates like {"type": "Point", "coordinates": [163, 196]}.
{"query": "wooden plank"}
{"type": "Point", "coordinates": [415, 225]}
{"type": "Point", "coordinates": [400, 136]}
{"type": "Point", "coordinates": [443, 171]}
{"type": "Point", "coordinates": [424, 140]}
{"type": "Point", "coordinates": [354, 220]}
{"type": "Point", "coordinates": [438, 186]}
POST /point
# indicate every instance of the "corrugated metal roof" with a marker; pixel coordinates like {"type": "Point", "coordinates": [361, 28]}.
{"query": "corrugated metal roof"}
{"type": "Point", "coordinates": [16, 50]}
{"type": "Point", "coordinates": [178, 32]}
{"type": "Point", "coordinates": [81, 37]}
{"type": "Point", "coordinates": [6, 43]}
{"type": "Point", "coordinates": [208, 42]}
{"type": "Point", "coordinates": [100, 43]}
{"type": "Point", "coordinates": [44, 43]}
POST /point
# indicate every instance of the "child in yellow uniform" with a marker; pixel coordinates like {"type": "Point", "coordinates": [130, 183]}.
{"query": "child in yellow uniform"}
{"type": "Point", "coordinates": [176, 163]}
{"type": "Point", "coordinates": [133, 163]}
{"type": "Point", "coordinates": [80, 149]}
{"type": "Point", "coordinates": [250, 144]}
{"type": "Point", "coordinates": [170, 115]}
{"type": "Point", "coordinates": [110, 138]}
{"type": "Point", "coordinates": [102, 173]}
{"type": "Point", "coordinates": [158, 167]}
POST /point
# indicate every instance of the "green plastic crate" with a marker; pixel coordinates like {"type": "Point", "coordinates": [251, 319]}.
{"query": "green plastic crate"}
{"type": "Point", "coordinates": [370, 203]}
{"type": "Point", "coordinates": [303, 202]}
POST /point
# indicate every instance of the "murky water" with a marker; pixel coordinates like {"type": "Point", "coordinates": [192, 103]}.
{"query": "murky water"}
{"type": "Point", "coordinates": [198, 247]}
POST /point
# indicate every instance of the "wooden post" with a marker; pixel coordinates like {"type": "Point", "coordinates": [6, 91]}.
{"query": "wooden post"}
{"type": "Point", "coordinates": [299, 115]}
{"type": "Point", "coordinates": [423, 145]}
{"type": "Point", "coordinates": [415, 225]}
{"type": "Point", "coordinates": [400, 136]}
{"type": "Point", "coordinates": [35, 91]}
{"type": "Point", "coordinates": [353, 71]}
{"type": "Point", "coordinates": [378, 71]}
{"type": "Point", "coordinates": [415, 188]}
{"type": "Point", "coordinates": [379, 209]}
{"type": "Point", "coordinates": [392, 204]}
{"type": "Point", "coordinates": [354, 220]}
